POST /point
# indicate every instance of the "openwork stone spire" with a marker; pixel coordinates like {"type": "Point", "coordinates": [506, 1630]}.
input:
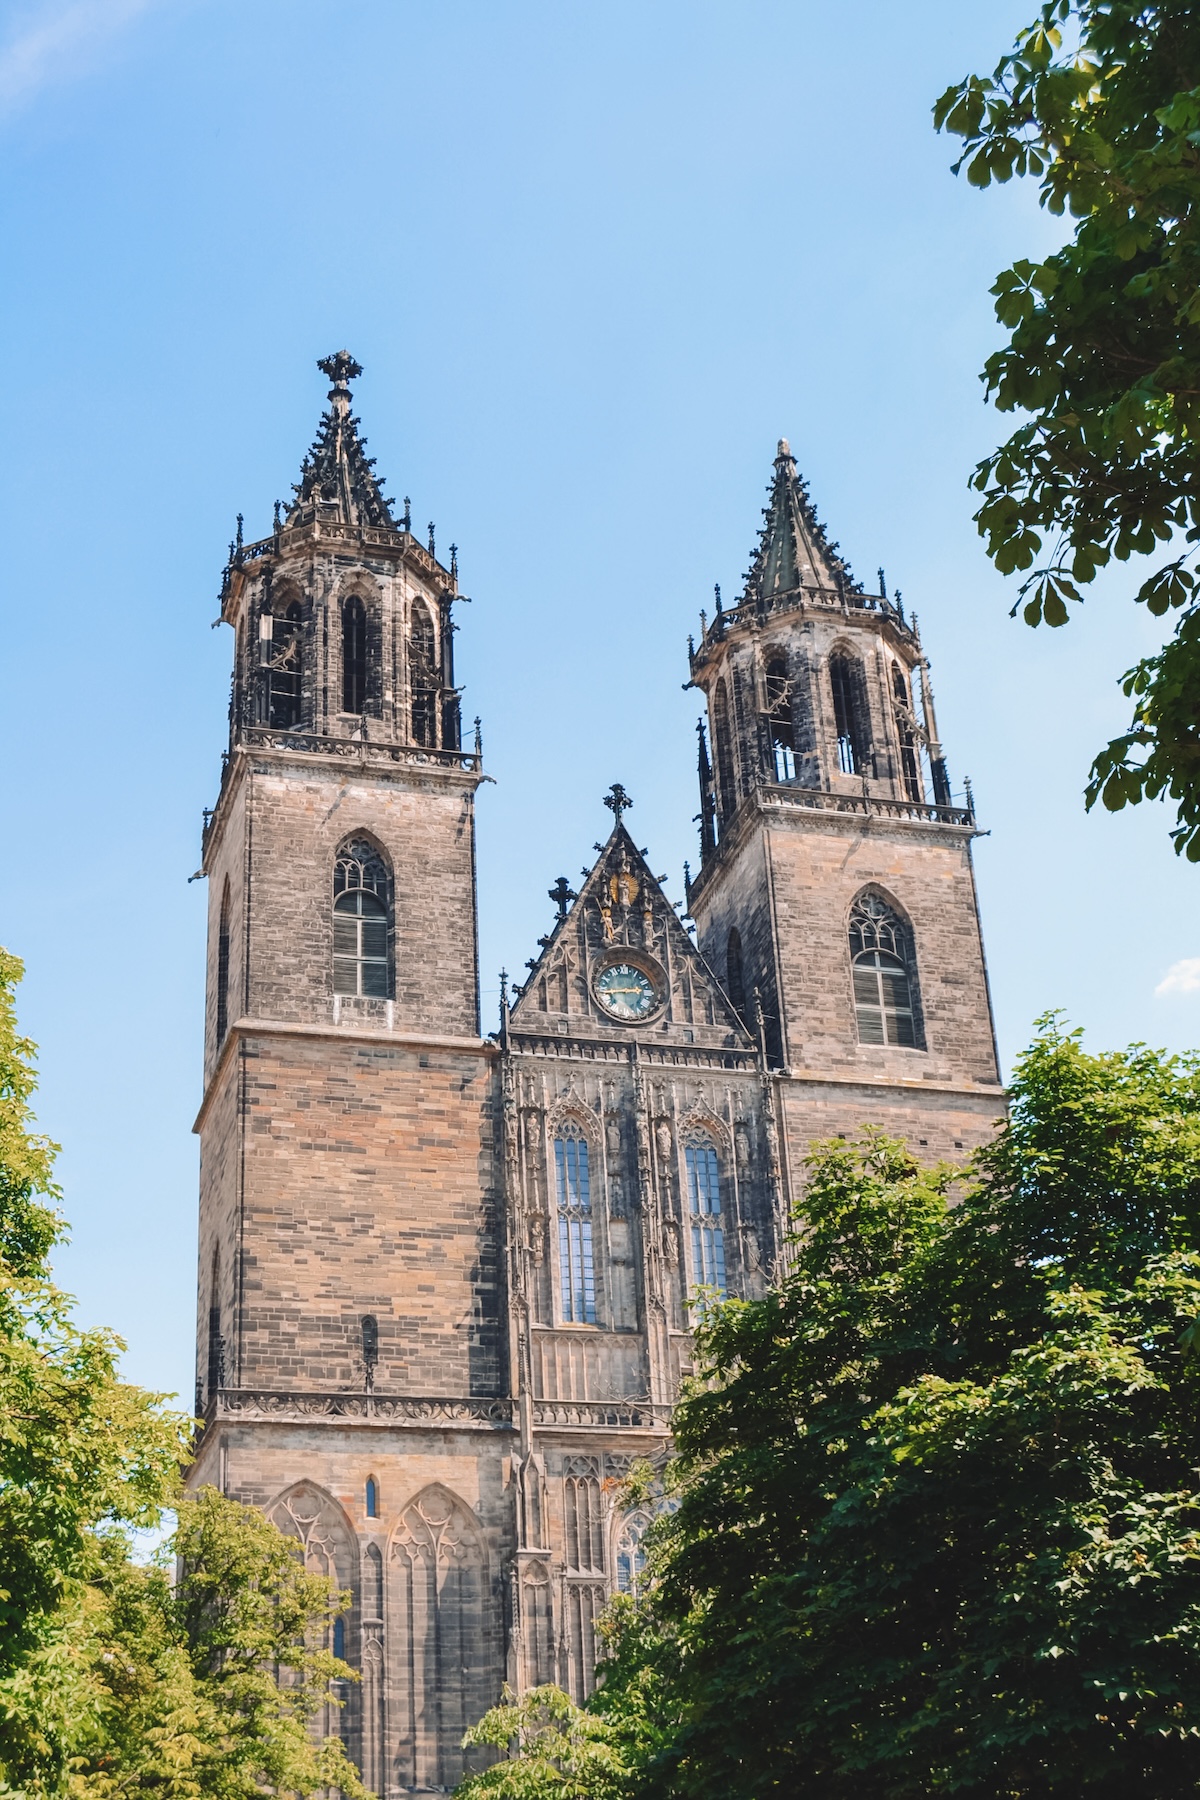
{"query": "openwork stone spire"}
{"type": "Point", "coordinates": [793, 550]}
{"type": "Point", "coordinates": [336, 477]}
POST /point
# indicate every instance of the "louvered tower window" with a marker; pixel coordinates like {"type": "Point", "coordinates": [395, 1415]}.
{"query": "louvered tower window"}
{"type": "Point", "coordinates": [575, 1264]}
{"type": "Point", "coordinates": [883, 972]}
{"type": "Point", "coordinates": [704, 1204]}
{"type": "Point", "coordinates": [354, 655]}
{"type": "Point", "coordinates": [361, 922]}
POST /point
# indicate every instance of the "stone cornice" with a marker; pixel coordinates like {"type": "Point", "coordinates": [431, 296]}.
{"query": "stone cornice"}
{"type": "Point", "coordinates": [453, 1412]}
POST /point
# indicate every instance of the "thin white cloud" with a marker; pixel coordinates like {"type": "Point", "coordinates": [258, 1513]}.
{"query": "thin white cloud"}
{"type": "Point", "coordinates": [52, 42]}
{"type": "Point", "coordinates": [1181, 978]}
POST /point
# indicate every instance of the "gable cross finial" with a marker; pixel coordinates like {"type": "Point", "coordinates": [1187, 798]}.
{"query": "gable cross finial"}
{"type": "Point", "coordinates": [562, 894]}
{"type": "Point", "coordinates": [617, 800]}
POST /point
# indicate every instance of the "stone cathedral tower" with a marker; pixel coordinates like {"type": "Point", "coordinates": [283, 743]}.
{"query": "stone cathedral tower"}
{"type": "Point", "coordinates": [444, 1278]}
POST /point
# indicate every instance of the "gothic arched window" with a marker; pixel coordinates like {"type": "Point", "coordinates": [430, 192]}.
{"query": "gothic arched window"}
{"type": "Point", "coordinates": [704, 1205]}
{"type": "Point", "coordinates": [780, 723]}
{"type": "Point", "coordinates": [735, 974]}
{"type": "Point", "coordinates": [354, 655]}
{"type": "Point", "coordinates": [631, 1555]}
{"type": "Point", "coordinates": [422, 676]}
{"type": "Point", "coordinates": [223, 967]}
{"type": "Point", "coordinates": [371, 1499]}
{"type": "Point", "coordinates": [883, 966]}
{"type": "Point", "coordinates": [361, 921]}
{"type": "Point", "coordinates": [574, 1198]}
{"type": "Point", "coordinates": [909, 767]}
{"type": "Point", "coordinates": [850, 713]}
{"type": "Point", "coordinates": [279, 636]}
{"type": "Point", "coordinates": [722, 745]}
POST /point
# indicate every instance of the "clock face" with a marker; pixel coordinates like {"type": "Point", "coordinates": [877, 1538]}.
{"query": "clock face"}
{"type": "Point", "coordinates": [626, 992]}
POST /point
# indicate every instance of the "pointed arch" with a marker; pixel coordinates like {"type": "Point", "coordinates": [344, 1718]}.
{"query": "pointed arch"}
{"type": "Point", "coordinates": [723, 750]}
{"type": "Point", "coordinates": [215, 1348]}
{"type": "Point", "coordinates": [910, 768]}
{"type": "Point", "coordinates": [537, 1624]}
{"type": "Point", "coordinates": [440, 1598]}
{"type": "Point", "coordinates": [629, 1552]}
{"type": "Point", "coordinates": [781, 725]}
{"type": "Point", "coordinates": [328, 1541]}
{"type": "Point", "coordinates": [281, 631]}
{"type": "Point", "coordinates": [422, 674]}
{"type": "Point", "coordinates": [851, 711]}
{"type": "Point", "coordinates": [883, 968]}
{"type": "Point", "coordinates": [222, 1021]}
{"type": "Point", "coordinates": [572, 1142]}
{"type": "Point", "coordinates": [354, 654]}
{"type": "Point", "coordinates": [363, 919]}
{"type": "Point", "coordinates": [735, 973]}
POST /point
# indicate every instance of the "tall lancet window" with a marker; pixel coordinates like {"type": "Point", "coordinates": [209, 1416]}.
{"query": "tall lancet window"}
{"type": "Point", "coordinates": [354, 655]}
{"type": "Point", "coordinates": [883, 966]}
{"type": "Point", "coordinates": [850, 713]}
{"type": "Point", "coordinates": [422, 675]}
{"type": "Point", "coordinates": [780, 723]}
{"type": "Point", "coordinates": [723, 749]}
{"type": "Point", "coordinates": [575, 1264]}
{"type": "Point", "coordinates": [223, 967]}
{"type": "Point", "coordinates": [280, 657]}
{"type": "Point", "coordinates": [704, 1205]}
{"type": "Point", "coordinates": [909, 767]}
{"type": "Point", "coordinates": [361, 921]}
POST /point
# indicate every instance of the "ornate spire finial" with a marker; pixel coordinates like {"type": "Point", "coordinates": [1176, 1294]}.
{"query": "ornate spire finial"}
{"type": "Point", "coordinates": [617, 800]}
{"type": "Point", "coordinates": [454, 562]}
{"type": "Point", "coordinates": [407, 513]}
{"type": "Point", "coordinates": [783, 452]}
{"type": "Point", "coordinates": [717, 596]}
{"type": "Point", "coordinates": [882, 585]}
{"type": "Point", "coordinates": [341, 369]}
{"type": "Point", "coordinates": [432, 552]}
{"type": "Point", "coordinates": [562, 894]}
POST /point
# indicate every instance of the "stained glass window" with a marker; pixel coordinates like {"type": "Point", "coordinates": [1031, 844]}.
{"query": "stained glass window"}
{"type": "Point", "coordinates": [704, 1204]}
{"type": "Point", "coordinates": [576, 1270]}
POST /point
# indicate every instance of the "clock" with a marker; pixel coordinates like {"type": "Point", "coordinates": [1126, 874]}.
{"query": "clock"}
{"type": "Point", "coordinates": [626, 993]}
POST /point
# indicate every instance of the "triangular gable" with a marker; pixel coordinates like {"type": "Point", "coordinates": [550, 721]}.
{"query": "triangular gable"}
{"type": "Point", "coordinates": [621, 920]}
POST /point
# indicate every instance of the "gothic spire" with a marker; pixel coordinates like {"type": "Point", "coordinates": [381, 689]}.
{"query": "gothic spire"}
{"type": "Point", "coordinates": [793, 550]}
{"type": "Point", "coordinates": [337, 473]}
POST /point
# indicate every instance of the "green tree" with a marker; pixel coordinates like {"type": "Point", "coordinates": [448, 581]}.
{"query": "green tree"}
{"type": "Point", "coordinates": [211, 1684]}
{"type": "Point", "coordinates": [938, 1524]}
{"type": "Point", "coordinates": [113, 1678]}
{"type": "Point", "coordinates": [1103, 351]}
{"type": "Point", "coordinates": [555, 1751]}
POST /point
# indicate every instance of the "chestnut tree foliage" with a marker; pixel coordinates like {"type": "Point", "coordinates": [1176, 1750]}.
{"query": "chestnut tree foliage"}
{"type": "Point", "coordinates": [938, 1510]}
{"type": "Point", "coordinates": [115, 1678]}
{"type": "Point", "coordinates": [1099, 102]}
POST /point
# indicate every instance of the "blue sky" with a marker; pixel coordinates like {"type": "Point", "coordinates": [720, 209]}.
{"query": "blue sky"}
{"type": "Point", "coordinates": [595, 260]}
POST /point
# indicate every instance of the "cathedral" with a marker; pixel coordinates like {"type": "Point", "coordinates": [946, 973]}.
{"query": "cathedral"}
{"type": "Point", "coordinates": [444, 1272]}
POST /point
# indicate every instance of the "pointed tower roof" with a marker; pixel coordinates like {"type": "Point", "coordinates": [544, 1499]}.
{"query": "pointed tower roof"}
{"type": "Point", "coordinates": [793, 550]}
{"type": "Point", "coordinates": [337, 472]}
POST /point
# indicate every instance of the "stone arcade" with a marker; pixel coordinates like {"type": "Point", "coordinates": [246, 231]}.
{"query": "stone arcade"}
{"type": "Point", "coordinates": [443, 1276]}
